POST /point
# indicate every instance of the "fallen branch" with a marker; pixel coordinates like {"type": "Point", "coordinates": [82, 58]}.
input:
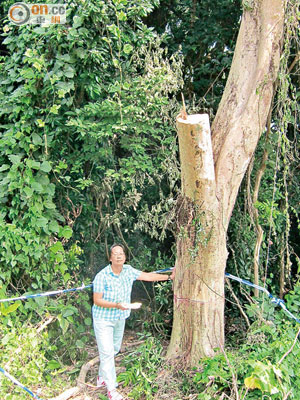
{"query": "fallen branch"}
{"type": "Point", "coordinates": [81, 384]}
{"type": "Point", "coordinates": [129, 345]}
{"type": "Point", "coordinates": [44, 324]}
{"type": "Point", "coordinates": [68, 394]}
{"type": "Point", "coordinates": [84, 370]}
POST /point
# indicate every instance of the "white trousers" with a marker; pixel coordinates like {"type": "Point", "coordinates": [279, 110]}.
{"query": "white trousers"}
{"type": "Point", "coordinates": [109, 335]}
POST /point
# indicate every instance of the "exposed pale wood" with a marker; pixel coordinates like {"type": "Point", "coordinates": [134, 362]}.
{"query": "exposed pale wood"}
{"type": "Point", "coordinates": [45, 323]}
{"type": "Point", "coordinates": [68, 394]}
{"type": "Point", "coordinates": [196, 158]}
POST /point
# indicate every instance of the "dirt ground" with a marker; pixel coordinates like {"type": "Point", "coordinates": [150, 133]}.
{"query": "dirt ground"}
{"type": "Point", "coordinates": [89, 391]}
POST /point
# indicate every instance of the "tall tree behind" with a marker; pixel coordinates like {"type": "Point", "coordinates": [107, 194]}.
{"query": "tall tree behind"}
{"type": "Point", "coordinates": [205, 31]}
{"type": "Point", "coordinates": [209, 193]}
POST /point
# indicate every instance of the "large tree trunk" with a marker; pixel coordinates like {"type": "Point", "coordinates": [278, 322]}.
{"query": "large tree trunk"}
{"type": "Point", "coordinates": [211, 179]}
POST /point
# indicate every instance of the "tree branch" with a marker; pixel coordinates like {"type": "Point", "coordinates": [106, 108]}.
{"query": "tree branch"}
{"type": "Point", "coordinates": [238, 302]}
{"type": "Point", "coordinates": [291, 348]}
{"type": "Point", "coordinates": [246, 101]}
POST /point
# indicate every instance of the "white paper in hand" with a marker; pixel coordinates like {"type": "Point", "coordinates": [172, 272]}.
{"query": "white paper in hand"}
{"type": "Point", "coordinates": [133, 306]}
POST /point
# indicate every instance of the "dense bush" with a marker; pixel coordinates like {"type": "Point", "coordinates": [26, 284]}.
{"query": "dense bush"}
{"type": "Point", "coordinates": [88, 154]}
{"type": "Point", "coordinates": [255, 368]}
{"type": "Point", "coordinates": [23, 354]}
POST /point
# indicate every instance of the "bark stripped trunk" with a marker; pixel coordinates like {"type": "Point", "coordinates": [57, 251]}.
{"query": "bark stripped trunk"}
{"type": "Point", "coordinates": [210, 181]}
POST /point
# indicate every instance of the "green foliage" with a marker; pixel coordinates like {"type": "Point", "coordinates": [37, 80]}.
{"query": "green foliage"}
{"type": "Point", "coordinates": [40, 338]}
{"type": "Point", "coordinates": [29, 219]}
{"type": "Point", "coordinates": [248, 5]}
{"type": "Point", "coordinates": [88, 155]}
{"type": "Point", "coordinates": [264, 377]}
{"type": "Point", "coordinates": [257, 367]}
{"type": "Point", "coordinates": [292, 300]}
{"type": "Point", "coordinates": [6, 310]}
{"type": "Point", "coordinates": [87, 144]}
{"type": "Point", "coordinates": [162, 315]}
{"type": "Point", "coordinates": [205, 32]}
{"type": "Point", "coordinates": [141, 369]}
{"type": "Point", "coordinates": [23, 355]}
{"type": "Point", "coordinates": [74, 324]}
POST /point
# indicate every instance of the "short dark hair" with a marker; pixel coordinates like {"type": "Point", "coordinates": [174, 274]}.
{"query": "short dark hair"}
{"type": "Point", "coordinates": [116, 245]}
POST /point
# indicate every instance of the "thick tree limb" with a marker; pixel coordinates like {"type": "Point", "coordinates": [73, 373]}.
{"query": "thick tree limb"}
{"type": "Point", "coordinates": [246, 101]}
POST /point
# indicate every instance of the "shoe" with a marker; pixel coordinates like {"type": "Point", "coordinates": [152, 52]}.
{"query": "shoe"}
{"type": "Point", "coordinates": [100, 382]}
{"type": "Point", "coordinates": [114, 395]}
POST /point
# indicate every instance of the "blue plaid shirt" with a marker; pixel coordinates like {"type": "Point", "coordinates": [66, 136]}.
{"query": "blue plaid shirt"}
{"type": "Point", "coordinates": [116, 288]}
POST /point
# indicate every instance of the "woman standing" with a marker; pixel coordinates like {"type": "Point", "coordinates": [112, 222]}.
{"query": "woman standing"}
{"type": "Point", "coordinates": [112, 293]}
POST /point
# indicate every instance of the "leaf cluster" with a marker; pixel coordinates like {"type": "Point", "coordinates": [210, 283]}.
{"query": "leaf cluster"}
{"type": "Point", "coordinates": [255, 370]}
{"type": "Point", "coordinates": [141, 373]}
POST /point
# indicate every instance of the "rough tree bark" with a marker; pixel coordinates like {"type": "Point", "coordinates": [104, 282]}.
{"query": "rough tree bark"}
{"type": "Point", "coordinates": [211, 180]}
